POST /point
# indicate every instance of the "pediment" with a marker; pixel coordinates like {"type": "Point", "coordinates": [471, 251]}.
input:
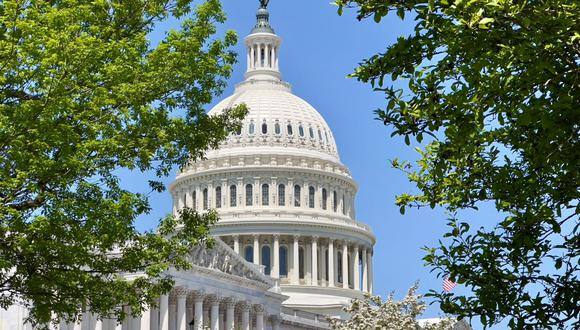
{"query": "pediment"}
{"type": "Point", "coordinates": [222, 259]}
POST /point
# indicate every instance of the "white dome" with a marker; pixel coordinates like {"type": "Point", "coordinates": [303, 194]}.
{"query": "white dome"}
{"type": "Point", "coordinates": [272, 109]}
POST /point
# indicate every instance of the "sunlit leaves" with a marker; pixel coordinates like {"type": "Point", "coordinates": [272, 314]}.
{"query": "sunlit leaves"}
{"type": "Point", "coordinates": [85, 94]}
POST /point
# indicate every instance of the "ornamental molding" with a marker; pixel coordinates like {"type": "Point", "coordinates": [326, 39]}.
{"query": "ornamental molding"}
{"type": "Point", "coordinates": [222, 263]}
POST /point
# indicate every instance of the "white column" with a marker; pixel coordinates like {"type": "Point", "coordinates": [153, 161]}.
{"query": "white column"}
{"type": "Point", "coordinates": [198, 199]}
{"type": "Point", "coordinates": [314, 261]}
{"type": "Point", "coordinates": [259, 310]}
{"type": "Point", "coordinates": [164, 312]}
{"type": "Point", "coordinates": [248, 58]}
{"type": "Point", "coordinates": [365, 271]}
{"type": "Point", "coordinates": [146, 319]}
{"type": "Point", "coordinates": [256, 249]}
{"type": "Point", "coordinates": [276, 264]}
{"type": "Point", "coordinates": [230, 317]}
{"type": "Point", "coordinates": [246, 316]}
{"type": "Point", "coordinates": [215, 309]}
{"type": "Point", "coordinates": [181, 294]}
{"type": "Point", "coordinates": [198, 311]}
{"type": "Point", "coordinates": [154, 318]}
{"type": "Point", "coordinates": [331, 262]}
{"type": "Point", "coordinates": [295, 261]}
{"type": "Point", "coordinates": [356, 269]}
{"type": "Point", "coordinates": [253, 57]}
{"type": "Point", "coordinates": [237, 244]}
{"type": "Point", "coordinates": [322, 265]}
{"type": "Point", "coordinates": [99, 323]}
{"type": "Point", "coordinates": [345, 265]}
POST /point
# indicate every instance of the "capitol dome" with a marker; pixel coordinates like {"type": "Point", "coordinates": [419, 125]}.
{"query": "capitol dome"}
{"type": "Point", "coordinates": [285, 201]}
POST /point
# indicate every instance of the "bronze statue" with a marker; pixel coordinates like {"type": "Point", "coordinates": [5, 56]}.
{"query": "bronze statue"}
{"type": "Point", "coordinates": [264, 3]}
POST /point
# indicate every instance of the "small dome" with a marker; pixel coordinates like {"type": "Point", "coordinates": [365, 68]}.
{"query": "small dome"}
{"type": "Point", "coordinates": [278, 118]}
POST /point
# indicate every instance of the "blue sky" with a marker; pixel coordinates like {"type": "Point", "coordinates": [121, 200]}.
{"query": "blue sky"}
{"type": "Point", "coordinates": [319, 50]}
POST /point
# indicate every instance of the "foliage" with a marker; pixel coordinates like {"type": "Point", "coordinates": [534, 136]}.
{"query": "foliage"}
{"type": "Point", "coordinates": [84, 95]}
{"type": "Point", "coordinates": [374, 313]}
{"type": "Point", "coordinates": [494, 86]}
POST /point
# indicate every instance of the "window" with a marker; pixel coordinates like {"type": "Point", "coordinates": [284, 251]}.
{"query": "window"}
{"type": "Point", "coordinates": [301, 131]}
{"type": "Point", "coordinates": [297, 195]}
{"type": "Point", "coordinates": [289, 129]}
{"type": "Point", "coordinates": [311, 197]}
{"type": "Point", "coordinates": [324, 198]}
{"type": "Point", "coordinates": [343, 205]}
{"type": "Point", "coordinates": [325, 137]}
{"type": "Point", "coordinates": [265, 194]}
{"type": "Point", "coordinates": [205, 204]}
{"type": "Point", "coordinates": [218, 197]}
{"type": "Point", "coordinates": [281, 195]}
{"type": "Point", "coordinates": [249, 253]}
{"type": "Point", "coordinates": [239, 130]}
{"type": "Point", "coordinates": [277, 128]}
{"type": "Point", "coordinates": [194, 206]}
{"type": "Point", "coordinates": [249, 194]}
{"type": "Point", "coordinates": [320, 136]}
{"type": "Point", "coordinates": [339, 266]}
{"type": "Point", "coordinates": [301, 262]}
{"type": "Point", "coordinates": [311, 131]}
{"type": "Point", "coordinates": [264, 128]}
{"type": "Point", "coordinates": [334, 201]}
{"type": "Point", "coordinates": [283, 254]}
{"type": "Point", "coordinates": [266, 259]}
{"type": "Point", "coordinates": [326, 265]}
{"type": "Point", "coordinates": [233, 195]}
{"type": "Point", "coordinates": [251, 128]}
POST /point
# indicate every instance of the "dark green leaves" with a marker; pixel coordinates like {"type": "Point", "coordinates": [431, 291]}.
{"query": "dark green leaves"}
{"type": "Point", "coordinates": [495, 84]}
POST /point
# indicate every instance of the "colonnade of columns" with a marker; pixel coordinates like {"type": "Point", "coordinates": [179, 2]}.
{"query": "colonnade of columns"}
{"type": "Point", "coordinates": [262, 55]}
{"type": "Point", "coordinates": [308, 260]}
{"type": "Point", "coordinates": [187, 310]}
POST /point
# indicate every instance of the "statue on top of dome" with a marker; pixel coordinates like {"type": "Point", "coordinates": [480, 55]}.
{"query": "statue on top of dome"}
{"type": "Point", "coordinates": [264, 3]}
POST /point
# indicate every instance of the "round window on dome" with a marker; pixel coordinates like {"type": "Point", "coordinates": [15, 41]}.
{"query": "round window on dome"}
{"type": "Point", "coordinates": [264, 128]}
{"type": "Point", "coordinates": [251, 128]}
{"type": "Point", "coordinates": [289, 129]}
{"type": "Point", "coordinates": [277, 128]}
{"type": "Point", "coordinates": [301, 130]}
{"type": "Point", "coordinates": [311, 131]}
{"type": "Point", "coordinates": [320, 136]}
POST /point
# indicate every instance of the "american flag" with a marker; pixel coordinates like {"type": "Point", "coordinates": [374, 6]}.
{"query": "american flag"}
{"type": "Point", "coordinates": [448, 284]}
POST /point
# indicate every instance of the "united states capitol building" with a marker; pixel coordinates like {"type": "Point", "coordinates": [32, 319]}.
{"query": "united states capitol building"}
{"type": "Point", "coordinates": [289, 248]}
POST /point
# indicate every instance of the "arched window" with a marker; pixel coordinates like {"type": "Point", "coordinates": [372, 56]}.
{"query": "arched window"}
{"type": "Point", "coordinates": [325, 137]}
{"type": "Point", "coordinates": [339, 266]}
{"type": "Point", "coordinates": [301, 131]}
{"type": "Point", "coordinates": [334, 201]}
{"type": "Point", "coordinates": [289, 129]}
{"type": "Point", "coordinates": [301, 262]}
{"type": "Point", "coordinates": [205, 204]}
{"type": "Point", "coordinates": [311, 131]}
{"type": "Point", "coordinates": [311, 197]}
{"type": "Point", "coordinates": [297, 195]}
{"type": "Point", "coordinates": [277, 128]}
{"type": "Point", "coordinates": [265, 194]}
{"type": "Point", "coordinates": [194, 197]}
{"type": "Point", "coordinates": [218, 197]}
{"type": "Point", "coordinates": [249, 194]}
{"type": "Point", "coordinates": [266, 259]}
{"type": "Point", "coordinates": [320, 136]}
{"type": "Point", "coordinates": [249, 253]}
{"type": "Point", "coordinates": [251, 128]}
{"type": "Point", "coordinates": [233, 195]}
{"type": "Point", "coordinates": [281, 195]}
{"type": "Point", "coordinates": [324, 198]}
{"type": "Point", "coordinates": [283, 254]}
{"type": "Point", "coordinates": [343, 205]}
{"type": "Point", "coordinates": [264, 128]}
{"type": "Point", "coordinates": [239, 130]}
